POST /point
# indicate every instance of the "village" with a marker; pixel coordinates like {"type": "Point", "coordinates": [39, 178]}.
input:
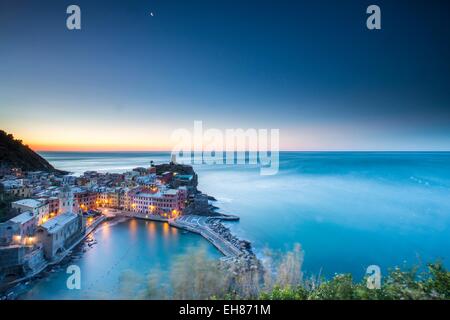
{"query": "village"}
{"type": "Point", "coordinates": [51, 213]}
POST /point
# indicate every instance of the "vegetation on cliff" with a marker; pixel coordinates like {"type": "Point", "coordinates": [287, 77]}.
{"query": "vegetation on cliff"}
{"type": "Point", "coordinates": [14, 154]}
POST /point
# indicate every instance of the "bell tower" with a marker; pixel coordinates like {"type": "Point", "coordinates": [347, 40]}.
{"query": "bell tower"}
{"type": "Point", "coordinates": [66, 200]}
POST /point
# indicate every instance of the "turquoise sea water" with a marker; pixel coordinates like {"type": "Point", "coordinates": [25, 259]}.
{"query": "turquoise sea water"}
{"type": "Point", "coordinates": [348, 210]}
{"type": "Point", "coordinates": [117, 266]}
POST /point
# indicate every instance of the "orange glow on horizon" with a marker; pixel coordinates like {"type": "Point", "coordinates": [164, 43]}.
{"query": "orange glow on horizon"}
{"type": "Point", "coordinates": [106, 148]}
{"type": "Point", "coordinates": [94, 138]}
{"type": "Point", "coordinates": [98, 137]}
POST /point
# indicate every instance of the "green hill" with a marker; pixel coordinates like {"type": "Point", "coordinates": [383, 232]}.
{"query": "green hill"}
{"type": "Point", "coordinates": [14, 154]}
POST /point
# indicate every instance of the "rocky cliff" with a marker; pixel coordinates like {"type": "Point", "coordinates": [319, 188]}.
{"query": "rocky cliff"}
{"type": "Point", "coordinates": [14, 154]}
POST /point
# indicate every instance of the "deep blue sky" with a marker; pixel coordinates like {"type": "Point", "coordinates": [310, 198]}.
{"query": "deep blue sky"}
{"type": "Point", "coordinates": [310, 68]}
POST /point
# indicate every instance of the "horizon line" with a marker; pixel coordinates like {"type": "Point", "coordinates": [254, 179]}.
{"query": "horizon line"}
{"type": "Point", "coordinates": [168, 151]}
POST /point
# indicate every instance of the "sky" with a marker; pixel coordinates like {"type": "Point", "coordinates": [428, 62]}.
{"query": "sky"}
{"type": "Point", "coordinates": [311, 69]}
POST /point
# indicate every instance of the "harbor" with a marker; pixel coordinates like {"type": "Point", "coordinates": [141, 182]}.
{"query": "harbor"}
{"type": "Point", "coordinates": [117, 249]}
{"type": "Point", "coordinates": [209, 227]}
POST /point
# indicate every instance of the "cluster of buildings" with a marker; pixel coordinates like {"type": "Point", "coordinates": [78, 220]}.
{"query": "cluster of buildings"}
{"type": "Point", "coordinates": [140, 190]}
{"type": "Point", "coordinates": [36, 236]}
{"type": "Point", "coordinates": [51, 212]}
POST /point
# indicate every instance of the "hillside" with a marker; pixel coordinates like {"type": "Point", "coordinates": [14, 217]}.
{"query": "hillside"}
{"type": "Point", "coordinates": [14, 154]}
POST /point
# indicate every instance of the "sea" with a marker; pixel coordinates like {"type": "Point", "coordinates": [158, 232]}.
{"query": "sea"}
{"type": "Point", "coordinates": [347, 210]}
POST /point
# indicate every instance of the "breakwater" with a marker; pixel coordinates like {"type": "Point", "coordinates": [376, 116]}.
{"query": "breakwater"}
{"type": "Point", "coordinates": [209, 227]}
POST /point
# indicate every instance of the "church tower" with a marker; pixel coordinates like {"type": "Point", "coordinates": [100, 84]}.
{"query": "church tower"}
{"type": "Point", "coordinates": [66, 200]}
{"type": "Point", "coordinates": [173, 158]}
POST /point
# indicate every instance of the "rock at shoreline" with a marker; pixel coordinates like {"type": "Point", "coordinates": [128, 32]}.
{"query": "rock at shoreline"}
{"type": "Point", "coordinates": [179, 170]}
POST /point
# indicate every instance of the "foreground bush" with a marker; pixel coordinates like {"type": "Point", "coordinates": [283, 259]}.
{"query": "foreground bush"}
{"type": "Point", "coordinates": [434, 283]}
{"type": "Point", "coordinates": [195, 276]}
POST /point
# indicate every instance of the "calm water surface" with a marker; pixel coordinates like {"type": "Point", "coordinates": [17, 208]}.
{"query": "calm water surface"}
{"type": "Point", "coordinates": [118, 264]}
